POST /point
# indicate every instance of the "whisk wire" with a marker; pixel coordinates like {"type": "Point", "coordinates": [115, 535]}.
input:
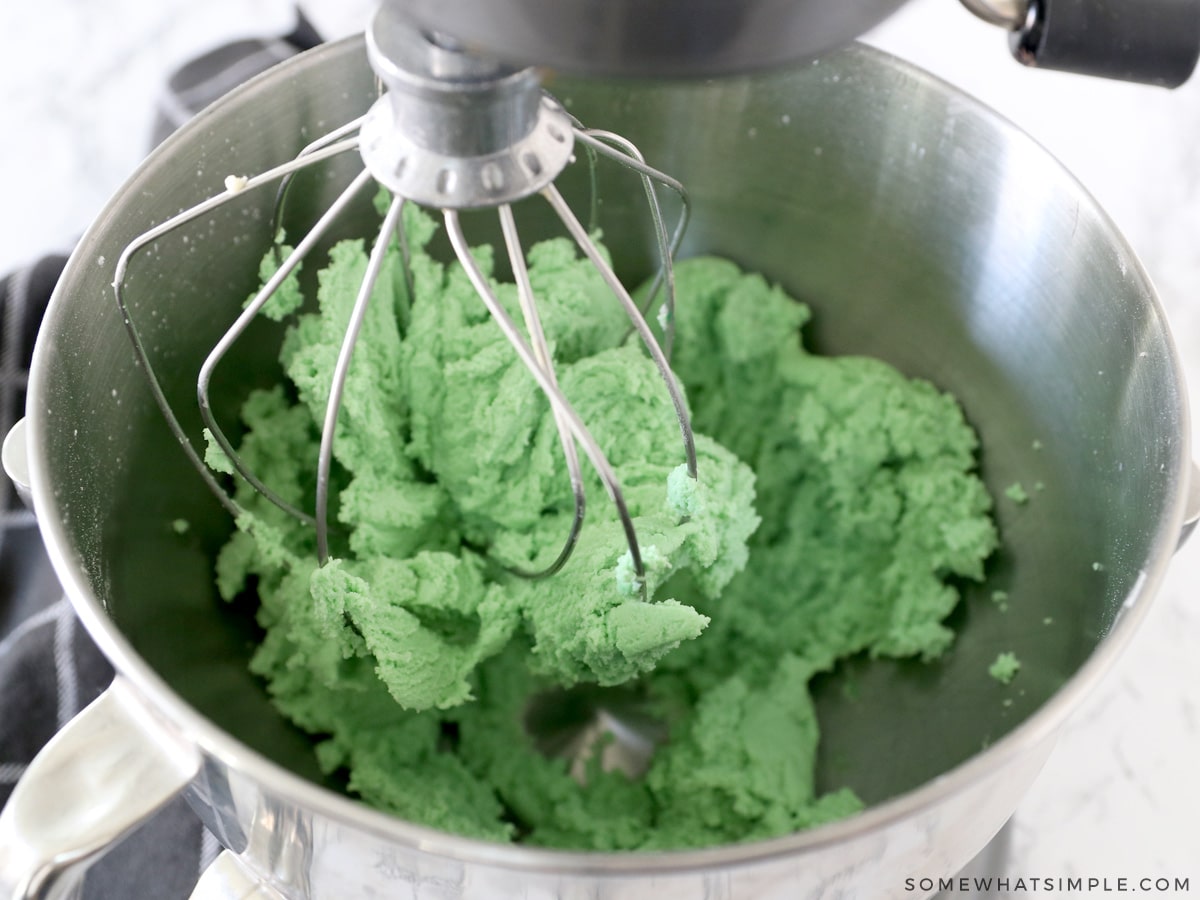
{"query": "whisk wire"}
{"type": "Point", "coordinates": [619, 148]}
{"type": "Point", "coordinates": [573, 225]}
{"type": "Point", "coordinates": [391, 224]}
{"type": "Point", "coordinates": [240, 325]}
{"type": "Point", "coordinates": [338, 134]}
{"type": "Point", "coordinates": [141, 355]}
{"type": "Point", "coordinates": [574, 423]}
{"type": "Point", "coordinates": [541, 351]}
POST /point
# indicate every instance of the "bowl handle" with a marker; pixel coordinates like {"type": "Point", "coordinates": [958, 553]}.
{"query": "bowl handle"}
{"type": "Point", "coordinates": [226, 879]}
{"type": "Point", "coordinates": [112, 767]}
{"type": "Point", "coordinates": [14, 455]}
{"type": "Point", "coordinates": [1191, 513]}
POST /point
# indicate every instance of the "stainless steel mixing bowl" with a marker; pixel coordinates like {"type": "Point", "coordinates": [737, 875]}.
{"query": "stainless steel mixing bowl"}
{"type": "Point", "coordinates": [922, 229]}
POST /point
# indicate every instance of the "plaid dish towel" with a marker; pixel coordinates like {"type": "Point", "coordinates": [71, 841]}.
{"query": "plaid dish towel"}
{"type": "Point", "coordinates": [49, 667]}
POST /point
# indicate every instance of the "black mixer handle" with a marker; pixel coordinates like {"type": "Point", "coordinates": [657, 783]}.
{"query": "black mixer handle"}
{"type": "Point", "coordinates": [1147, 41]}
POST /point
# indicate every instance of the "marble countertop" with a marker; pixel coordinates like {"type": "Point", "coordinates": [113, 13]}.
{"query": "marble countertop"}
{"type": "Point", "coordinates": [78, 82]}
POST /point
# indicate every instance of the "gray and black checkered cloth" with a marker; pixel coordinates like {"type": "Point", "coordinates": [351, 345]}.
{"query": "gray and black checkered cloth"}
{"type": "Point", "coordinates": [49, 667]}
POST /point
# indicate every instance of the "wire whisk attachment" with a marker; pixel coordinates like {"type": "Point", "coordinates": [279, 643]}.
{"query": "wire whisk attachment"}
{"type": "Point", "coordinates": [451, 132]}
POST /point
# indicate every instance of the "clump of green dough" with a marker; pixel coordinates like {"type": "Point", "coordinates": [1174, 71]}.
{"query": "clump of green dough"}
{"type": "Point", "coordinates": [1005, 668]}
{"type": "Point", "coordinates": [1016, 493]}
{"type": "Point", "coordinates": [835, 506]}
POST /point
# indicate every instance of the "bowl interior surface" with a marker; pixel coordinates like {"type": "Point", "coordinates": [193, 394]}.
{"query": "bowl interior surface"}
{"type": "Point", "coordinates": [919, 227]}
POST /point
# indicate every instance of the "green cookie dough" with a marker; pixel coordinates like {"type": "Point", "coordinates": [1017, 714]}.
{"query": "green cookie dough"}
{"type": "Point", "coordinates": [835, 503]}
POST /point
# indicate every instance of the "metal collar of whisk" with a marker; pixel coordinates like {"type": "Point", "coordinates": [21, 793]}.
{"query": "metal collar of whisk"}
{"type": "Point", "coordinates": [455, 130]}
